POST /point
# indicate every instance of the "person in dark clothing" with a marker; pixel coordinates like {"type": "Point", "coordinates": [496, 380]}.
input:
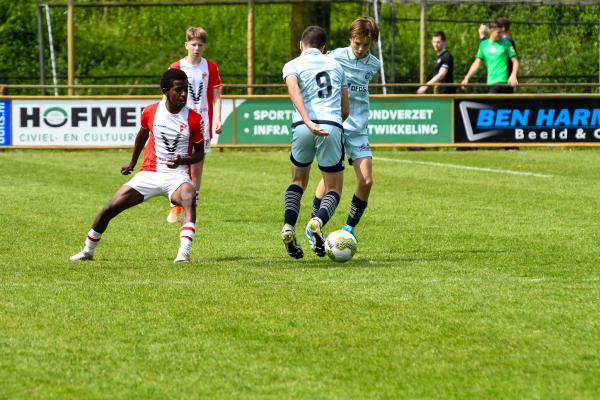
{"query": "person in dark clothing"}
{"type": "Point", "coordinates": [443, 69]}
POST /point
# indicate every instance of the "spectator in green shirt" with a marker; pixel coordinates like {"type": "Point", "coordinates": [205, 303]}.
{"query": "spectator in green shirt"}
{"type": "Point", "coordinates": [496, 53]}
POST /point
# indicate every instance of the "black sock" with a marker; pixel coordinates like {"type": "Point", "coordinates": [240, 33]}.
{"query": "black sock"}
{"type": "Point", "coordinates": [293, 196]}
{"type": "Point", "coordinates": [316, 206]}
{"type": "Point", "coordinates": [328, 205]}
{"type": "Point", "coordinates": [357, 208]}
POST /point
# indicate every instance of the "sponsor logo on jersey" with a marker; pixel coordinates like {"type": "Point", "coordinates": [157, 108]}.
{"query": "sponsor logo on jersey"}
{"type": "Point", "coordinates": [353, 87]}
{"type": "Point", "coordinates": [196, 95]}
{"type": "Point", "coordinates": [168, 146]}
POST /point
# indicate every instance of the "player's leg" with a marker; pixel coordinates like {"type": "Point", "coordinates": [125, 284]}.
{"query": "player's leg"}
{"type": "Point", "coordinates": [176, 210]}
{"type": "Point", "coordinates": [301, 157]}
{"type": "Point", "coordinates": [316, 204]}
{"type": "Point", "coordinates": [333, 183]}
{"type": "Point", "coordinates": [185, 197]}
{"type": "Point", "coordinates": [361, 158]}
{"type": "Point", "coordinates": [363, 168]}
{"type": "Point", "coordinates": [330, 155]}
{"type": "Point", "coordinates": [126, 197]}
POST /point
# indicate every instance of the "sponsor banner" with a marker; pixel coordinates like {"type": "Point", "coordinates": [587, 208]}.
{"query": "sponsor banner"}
{"type": "Point", "coordinates": [410, 120]}
{"type": "Point", "coordinates": [5, 138]}
{"type": "Point", "coordinates": [527, 120]}
{"type": "Point", "coordinates": [260, 121]}
{"type": "Point", "coordinates": [67, 122]}
{"type": "Point", "coordinates": [396, 121]}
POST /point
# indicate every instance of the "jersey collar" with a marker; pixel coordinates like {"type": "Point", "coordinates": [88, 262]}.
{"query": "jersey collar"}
{"type": "Point", "coordinates": [352, 56]}
{"type": "Point", "coordinates": [312, 50]}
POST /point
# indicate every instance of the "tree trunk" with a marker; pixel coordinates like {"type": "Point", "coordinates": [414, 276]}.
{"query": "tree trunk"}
{"type": "Point", "coordinates": [304, 15]}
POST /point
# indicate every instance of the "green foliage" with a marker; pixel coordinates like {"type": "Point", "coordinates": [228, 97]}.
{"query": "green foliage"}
{"type": "Point", "coordinates": [113, 42]}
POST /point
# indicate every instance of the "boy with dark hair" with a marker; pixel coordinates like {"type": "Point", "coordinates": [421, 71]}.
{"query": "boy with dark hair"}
{"type": "Point", "coordinates": [443, 68]}
{"type": "Point", "coordinates": [318, 89]}
{"type": "Point", "coordinates": [504, 25]}
{"type": "Point", "coordinates": [173, 130]}
{"type": "Point", "coordinates": [496, 53]}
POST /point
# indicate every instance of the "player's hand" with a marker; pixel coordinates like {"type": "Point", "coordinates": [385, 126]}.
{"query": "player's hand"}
{"type": "Point", "coordinates": [512, 81]}
{"type": "Point", "coordinates": [127, 168]}
{"type": "Point", "coordinates": [483, 31]}
{"type": "Point", "coordinates": [422, 89]}
{"type": "Point", "coordinates": [316, 129]}
{"type": "Point", "coordinates": [464, 83]}
{"type": "Point", "coordinates": [218, 127]}
{"type": "Point", "coordinates": [174, 162]}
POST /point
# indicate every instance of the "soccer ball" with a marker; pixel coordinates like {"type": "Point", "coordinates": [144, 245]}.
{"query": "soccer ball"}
{"type": "Point", "coordinates": [340, 246]}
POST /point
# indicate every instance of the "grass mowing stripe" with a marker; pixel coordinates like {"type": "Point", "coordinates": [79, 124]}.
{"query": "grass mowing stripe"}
{"type": "Point", "coordinates": [466, 167]}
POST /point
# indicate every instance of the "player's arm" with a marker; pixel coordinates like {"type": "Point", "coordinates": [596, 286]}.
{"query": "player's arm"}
{"type": "Point", "coordinates": [140, 141]}
{"type": "Point", "coordinates": [291, 82]}
{"type": "Point", "coordinates": [345, 104]}
{"type": "Point", "coordinates": [196, 157]}
{"type": "Point", "coordinates": [512, 79]}
{"type": "Point", "coordinates": [217, 110]}
{"type": "Point", "coordinates": [472, 70]}
{"type": "Point", "coordinates": [436, 78]}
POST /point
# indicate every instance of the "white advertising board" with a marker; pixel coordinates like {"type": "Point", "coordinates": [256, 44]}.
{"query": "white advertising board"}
{"type": "Point", "coordinates": [73, 122]}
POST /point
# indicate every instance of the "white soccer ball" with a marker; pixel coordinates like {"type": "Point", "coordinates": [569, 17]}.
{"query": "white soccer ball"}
{"type": "Point", "coordinates": [340, 246]}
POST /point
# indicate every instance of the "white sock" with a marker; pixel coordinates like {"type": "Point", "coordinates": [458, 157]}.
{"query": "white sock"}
{"type": "Point", "coordinates": [91, 241]}
{"type": "Point", "coordinates": [186, 235]}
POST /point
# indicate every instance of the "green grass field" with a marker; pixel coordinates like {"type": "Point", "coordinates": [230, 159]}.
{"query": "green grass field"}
{"type": "Point", "coordinates": [471, 282]}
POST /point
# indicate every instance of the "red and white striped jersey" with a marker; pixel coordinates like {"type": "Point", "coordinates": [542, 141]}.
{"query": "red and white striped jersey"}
{"type": "Point", "coordinates": [202, 79]}
{"type": "Point", "coordinates": [170, 134]}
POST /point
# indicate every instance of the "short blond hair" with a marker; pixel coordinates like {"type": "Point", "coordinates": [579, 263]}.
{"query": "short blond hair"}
{"type": "Point", "coordinates": [364, 26]}
{"type": "Point", "coordinates": [196, 33]}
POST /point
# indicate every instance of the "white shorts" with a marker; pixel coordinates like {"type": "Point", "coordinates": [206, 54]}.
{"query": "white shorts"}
{"type": "Point", "coordinates": [151, 184]}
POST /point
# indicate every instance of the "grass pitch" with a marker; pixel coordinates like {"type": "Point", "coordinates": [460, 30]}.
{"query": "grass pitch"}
{"type": "Point", "coordinates": [471, 282]}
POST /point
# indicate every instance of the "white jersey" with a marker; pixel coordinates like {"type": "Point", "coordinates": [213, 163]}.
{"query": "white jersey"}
{"type": "Point", "coordinates": [203, 78]}
{"type": "Point", "coordinates": [321, 80]}
{"type": "Point", "coordinates": [170, 134]}
{"type": "Point", "coordinates": [358, 73]}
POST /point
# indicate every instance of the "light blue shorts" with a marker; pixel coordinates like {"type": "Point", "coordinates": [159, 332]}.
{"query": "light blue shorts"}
{"type": "Point", "coordinates": [328, 149]}
{"type": "Point", "coordinates": [356, 145]}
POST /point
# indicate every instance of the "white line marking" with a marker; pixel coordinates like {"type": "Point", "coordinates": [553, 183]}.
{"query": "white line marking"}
{"type": "Point", "coordinates": [466, 167]}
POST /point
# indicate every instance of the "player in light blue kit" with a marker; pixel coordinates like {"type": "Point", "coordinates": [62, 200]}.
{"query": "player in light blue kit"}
{"type": "Point", "coordinates": [319, 91]}
{"type": "Point", "coordinates": [359, 66]}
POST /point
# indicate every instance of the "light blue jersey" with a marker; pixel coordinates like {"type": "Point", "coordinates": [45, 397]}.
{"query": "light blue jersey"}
{"type": "Point", "coordinates": [321, 80]}
{"type": "Point", "coordinates": [358, 74]}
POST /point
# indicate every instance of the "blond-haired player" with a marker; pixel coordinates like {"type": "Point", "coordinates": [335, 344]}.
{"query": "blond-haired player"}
{"type": "Point", "coordinates": [204, 97]}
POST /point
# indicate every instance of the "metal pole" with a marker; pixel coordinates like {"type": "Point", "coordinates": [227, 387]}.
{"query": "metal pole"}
{"type": "Point", "coordinates": [381, 68]}
{"type": "Point", "coordinates": [250, 47]}
{"type": "Point", "coordinates": [51, 45]}
{"type": "Point", "coordinates": [70, 50]}
{"type": "Point", "coordinates": [423, 41]}
{"type": "Point", "coordinates": [41, 60]}
{"type": "Point", "coordinates": [392, 42]}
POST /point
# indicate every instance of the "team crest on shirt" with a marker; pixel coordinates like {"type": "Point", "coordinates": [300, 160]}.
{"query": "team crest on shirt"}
{"type": "Point", "coordinates": [368, 75]}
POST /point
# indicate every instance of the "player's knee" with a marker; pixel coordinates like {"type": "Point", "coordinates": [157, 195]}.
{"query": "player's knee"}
{"type": "Point", "coordinates": [109, 210]}
{"type": "Point", "coordinates": [366, 182]}
{"type": "Point", "coordinates": [188, 198]}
